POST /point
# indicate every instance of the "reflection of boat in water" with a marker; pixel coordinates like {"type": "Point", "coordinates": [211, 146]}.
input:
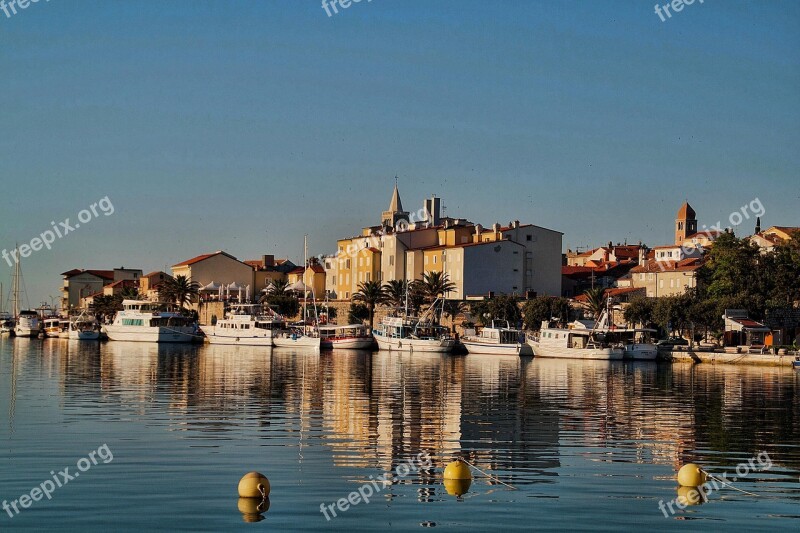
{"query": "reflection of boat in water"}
{"type": "Point", "coordinates": [351, 336]}
{"type": "Point", "coordinates": [244, 324]}
{"type": "Point", "coordinates": [143, 321]}
{"type": "Point", "coordinates": [498, 339]}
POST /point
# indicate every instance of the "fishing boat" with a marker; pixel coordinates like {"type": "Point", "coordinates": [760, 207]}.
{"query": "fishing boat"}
{"type": "Point", "coordinates": [497, 339]}
{"type": "Point", "coordinates": [84, 327]}
{"type": "Point", "coordinates": [56, 327]}
{"type": "Point", "coordinates": [349, 337]}
{"type": "Point", "coordinates": [579, 340]}
{"type": "Point", "coordinates": [244, 324]}
{"type": "Point", "coordinates": [414, 334]}
{"type": "Point", "coordinates": [637, 343]}
{"type": "Point", "coordinates": [796, 363]}
{"type": "Point", "coordinates": [143, 321]}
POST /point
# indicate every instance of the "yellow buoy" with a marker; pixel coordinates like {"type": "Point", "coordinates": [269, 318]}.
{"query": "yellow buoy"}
{"type": "Point", "coordinates": [457, 487]}
{"type": "Point", "coordinates": [691, 475]}
{"type": "Point", "coordinates": [457, 470]}
{"type": "Point", "coordinates": [690, 496]}
{"type": "Point", "coordinates": [254, 485]}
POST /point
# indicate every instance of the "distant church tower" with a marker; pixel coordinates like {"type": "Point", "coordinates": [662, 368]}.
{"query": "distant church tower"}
{"type": "Point", "coordinates": [395, 213]}
{"type": "Point", "coordinates": [758, 225]}
{"type": "Point", "coordinates": [685, 223]}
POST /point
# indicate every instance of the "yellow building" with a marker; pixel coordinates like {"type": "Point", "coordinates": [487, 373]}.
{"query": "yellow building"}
{"type": "Point", "coordinates": [312, 278]}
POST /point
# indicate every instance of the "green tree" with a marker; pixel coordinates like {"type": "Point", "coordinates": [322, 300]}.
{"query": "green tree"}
{"type": "Point", "coordinates": [179, 290]}
{"type": "Point", "coordinates": [595, 300]}
{"type": "Point", "coordinates": [500, 307]}
{"type": "Point", "coordinates": [395, 293]}
{"type": "Point", "coordinates": [453, 308]}
{"type": "Point", "coordinates": [541, 308]}
{"type": "Point", "coordinates": [357, 313]}
{"type": "Point", "coordinates": [370, 293]}
{"type": "Point", "coordinates": [639, 311]}
{"type": "Point", "coordinates": [435, 284]}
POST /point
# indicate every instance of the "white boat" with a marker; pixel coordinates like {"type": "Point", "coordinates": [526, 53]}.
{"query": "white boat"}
{"type": "Point", "coordinates": [349, 337]}
{"type": "Point", "coordinates": [579, 340]}
{"type": "Point", "coordinates": [411, 334]}
{"type": "Point", "coordinates": [498, 339]}
{"type": "Point", "coordinates": [6, 323]}
{"type": "Point", "coordinates": [636, 342]}
{"type": "Point", "coordinates": [143, 321]}
{"type": "Point", "coordinates": [295, 337]}
{"type": "Point", "coordinates": [84, 327]}
{"type": "Point", "coordinates": [27, 324]}
{"type": "Point", "coordinates": [244, 324]}
{"type": "Point", "coordinates": [56, 327]}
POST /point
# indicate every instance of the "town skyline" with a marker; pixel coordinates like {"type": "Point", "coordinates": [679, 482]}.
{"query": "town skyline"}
{"type": "Point", "coordinates": [596, 121]}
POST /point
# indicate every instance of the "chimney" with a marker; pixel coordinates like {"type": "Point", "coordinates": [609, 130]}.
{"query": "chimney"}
{"type": "Point", "coordinates": [267, 261]}
{"type": "Point", "coordinates": [516, 224]}
{"type": "Point", "coordinates": [433, 208]}
{"type": "Point", "coordinates": [496, 227]}
{"type": "Point", "coordinates": [478, 229]}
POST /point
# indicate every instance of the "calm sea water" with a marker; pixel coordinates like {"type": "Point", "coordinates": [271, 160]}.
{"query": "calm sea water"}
{"type": "Point", "coordinates": [587, 445]}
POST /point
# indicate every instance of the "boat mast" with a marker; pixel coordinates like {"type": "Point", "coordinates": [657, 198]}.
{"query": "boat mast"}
{"type": "Point", "coordinates": [303, 281]}
{"type": "Point", "coordinates": [15, 290]}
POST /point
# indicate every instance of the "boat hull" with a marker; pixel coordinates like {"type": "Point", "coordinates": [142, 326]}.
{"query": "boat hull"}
{"type": "Point", "coordinates": [497, 349]}
{"type": "Point", "coordinates": [641, 352]}
{"type": "Point", "coordinates": [84, 335]}
{"type": "Point", "coordinates": [353, 343]}
{"type": "Point", "coordinates": [415, 345]}
{"type": "Point", "coordinates": [295, 341]}
{"type": "Point", "coordinates": [149, 334]}
{"type": "Point", "coordinates": [21, 331]}
{"type": "Point", "coordinates": [563, 352]}
{"type": "Point", "coordinates": [215, 337]}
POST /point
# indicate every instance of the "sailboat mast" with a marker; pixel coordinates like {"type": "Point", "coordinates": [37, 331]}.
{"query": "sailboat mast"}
{"type": "Point", "coordinates": [15, 289]}
{"type": "Point", "coordinates": [305, 267]}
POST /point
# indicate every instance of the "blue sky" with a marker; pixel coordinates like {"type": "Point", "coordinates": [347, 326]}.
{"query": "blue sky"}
{"type": "Point", "coordinates": [243, 125]}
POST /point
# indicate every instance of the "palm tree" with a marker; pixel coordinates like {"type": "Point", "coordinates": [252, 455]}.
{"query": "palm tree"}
{"type": "Point", "coordinates": [179, 290]}
{"type": "Point", "coordinates": [453, 308]}
{"type": "Point", "coordinates": [278, 287]}
{"type": "Point", "coordinates": [395, 293]}
{"type": "Point", "coordinates": [435, 284]}
{"type": "Point", "coordinates": [370, 293]}
{"type": "Point", "coordinates": [595, 300]}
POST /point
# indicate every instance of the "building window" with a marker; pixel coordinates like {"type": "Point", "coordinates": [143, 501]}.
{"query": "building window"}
{"type": "Point", "coordinates": [661, 284]}
{"type": "Point", "coordinates": [528, 237]}
{"type": "Point", "coordinates": [434, 259]}
{"type": "Point", "coordinates": [366, 276]}
{"type": "Point", "coordinates": [391, 260]}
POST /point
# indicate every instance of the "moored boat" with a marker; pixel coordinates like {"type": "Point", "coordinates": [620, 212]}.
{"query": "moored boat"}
{"type": "Point", "coordinates": [244, 324]}
{"type": "Point", "coordinates": [56, 327]}
{"type": "Point", "coordinates": [27, 324]}
{"type": "Point", "coordinates": [497, 339]}
{"type": "Point", "coordinates": [350, 337]}
{"type": "Point", "coordinates": [579, 340]}
{"type": "Point", "coordinates": [84, 327]}
{"type": "Point", "coordinates": [143, 321]}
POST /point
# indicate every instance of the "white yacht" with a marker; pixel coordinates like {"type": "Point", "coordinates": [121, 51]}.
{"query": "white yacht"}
{"type": "Point", "coordinates": [150, 322]}
{"type": "Point", "coordinates": [244, 324]}
{"type": "Point", "coordinates": [636, 342]}
{"type": "Point", "coordinates": [579, 340]}
{"type": "Point", "coordinates": [412, 334]}
{"type": "Point", "coordinates": [84, 327]}
{"type": "Point", "coordinates": [498, 339]}
{"type": "Point", "coordinates": [350, 337]}
{"type": "Point", "coordinates": [27, 324]}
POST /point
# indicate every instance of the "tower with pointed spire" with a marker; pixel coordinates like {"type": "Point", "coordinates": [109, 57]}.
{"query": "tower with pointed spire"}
{"type": "Point", "coordinates": [395, 213]}
{"type": "Point", "coordinates": [685, 223]}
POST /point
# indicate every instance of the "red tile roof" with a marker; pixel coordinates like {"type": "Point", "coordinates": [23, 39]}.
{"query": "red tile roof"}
{"type": "Point", "coordinates": [105, 274]}
{"type": "Point", "coordinates": [203, 257]}
{"type": "Point", "coordinates": [687, 265]}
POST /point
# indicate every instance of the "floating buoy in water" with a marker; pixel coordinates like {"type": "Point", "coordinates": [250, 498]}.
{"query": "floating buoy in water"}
{"type": "Point", "coordinates": [691, 475]}
{"type": "Point", "coordinates": [254, 485]}
{"type": "Point", "coordinates": [690, 495]}
{"type": "Point", "coordinates": [457, 487]}
{"type": "Point", "coordinates": [457, 470]}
